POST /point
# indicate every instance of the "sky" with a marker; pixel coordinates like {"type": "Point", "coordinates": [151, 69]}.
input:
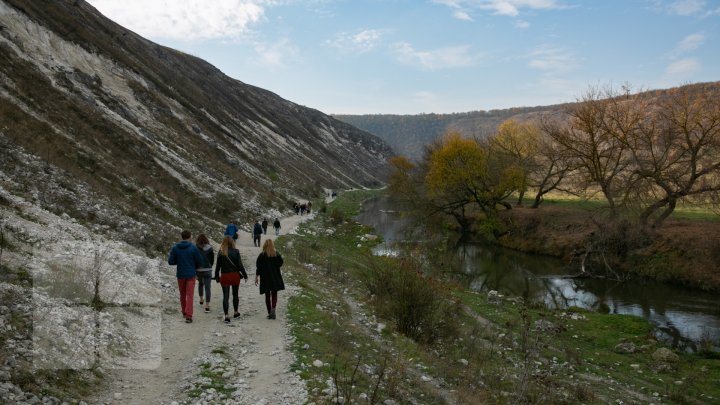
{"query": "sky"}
{"type": "Point", "coordinates": [437, 56]}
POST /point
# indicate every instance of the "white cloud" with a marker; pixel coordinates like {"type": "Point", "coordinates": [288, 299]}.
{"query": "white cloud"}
{"type": "Point", "coordinates": [689, 43]}
{"type": "Point", "coordinates": [462, 15]}
{"type": "Point", "coordinates": [186, 20]}
{"type": "Point", "coordinates": [443, 58]}
{"type": "Point", "coordinates": [687, 7]}
{"type": "Point", "coordinates": [552, 60]}
{"type": "Point", "coordinates": [361, 42]}
{"type": "Point", "coordinates": [522, 24]}
{"type": "Point", "coordinates": [511, 8]}
{"type": "Point", "coordinates": [276, 54]}
{"type": "Point", "coordinates": [683, 67]}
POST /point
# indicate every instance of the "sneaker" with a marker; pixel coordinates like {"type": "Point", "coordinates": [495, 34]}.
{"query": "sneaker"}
{"type": "Point", "coordinates": [207, 310]}
{"type": "Point", "coordinates": [201, 300]}
{"type": "Point", "coordinates": [236, 315]}
{"type": "Point", "coordinates": [188, 320]}
{"type": "Point", "coordinates": [272, 315]}
{"type": "Point", "coordinates": [269, 316]}
{"type": "Point", "coordinates": [227, 320]}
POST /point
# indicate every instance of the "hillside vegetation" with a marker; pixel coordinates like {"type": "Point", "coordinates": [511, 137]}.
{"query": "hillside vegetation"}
{"type": "Point", "coordinates": [636, 157]}
{"type": "Point", "coordinates": [380, 330]}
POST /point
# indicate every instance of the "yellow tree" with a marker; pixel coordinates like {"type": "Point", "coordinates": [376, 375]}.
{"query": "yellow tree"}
{"type": "Point", "coordinates": [452, 168]}
{"type": "Point", "coordinates": [519, 141]}
{"type": "Point", "coordinates": [461, 171]}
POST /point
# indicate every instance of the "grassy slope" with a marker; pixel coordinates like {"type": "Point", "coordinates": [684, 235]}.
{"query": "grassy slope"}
{"type": "Point", "coordinates": [496, 356]}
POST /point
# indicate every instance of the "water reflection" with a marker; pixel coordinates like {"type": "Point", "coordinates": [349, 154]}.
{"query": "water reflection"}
{"type": "Point", "coordinates": [682, 316]}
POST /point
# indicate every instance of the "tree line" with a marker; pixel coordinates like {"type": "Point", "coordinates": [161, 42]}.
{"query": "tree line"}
{"type": "Point", "coordinates": [642, 153]}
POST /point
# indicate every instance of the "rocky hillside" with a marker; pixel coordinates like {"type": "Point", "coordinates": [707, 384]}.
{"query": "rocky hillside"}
{"type": "Point", "coordinates": [135, 136]}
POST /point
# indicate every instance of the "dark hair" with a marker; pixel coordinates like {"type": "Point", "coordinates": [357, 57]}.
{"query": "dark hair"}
{"type": "Point", "coordinates": [185, 235]}
{"type": "Point", "coordinates": [202, 240]}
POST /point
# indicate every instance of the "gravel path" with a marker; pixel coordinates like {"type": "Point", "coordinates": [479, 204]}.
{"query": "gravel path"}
{"type": "Point", "coordinates": [250, 352]}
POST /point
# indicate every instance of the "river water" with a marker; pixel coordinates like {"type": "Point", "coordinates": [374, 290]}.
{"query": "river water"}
{"type": "Point", "coordinates": [682, 316]}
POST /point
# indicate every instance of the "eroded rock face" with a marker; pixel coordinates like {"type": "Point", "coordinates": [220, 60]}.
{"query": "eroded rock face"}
{"type": "Point", "coordinates": [153, 133]}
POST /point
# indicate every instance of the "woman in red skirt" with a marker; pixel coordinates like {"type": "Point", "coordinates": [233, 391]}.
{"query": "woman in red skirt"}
{"type": "Point", "coordinates": [228, 272]}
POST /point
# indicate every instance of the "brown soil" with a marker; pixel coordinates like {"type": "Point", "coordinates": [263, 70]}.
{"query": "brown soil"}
{"type": "Point", "coordinates": [681, 251]}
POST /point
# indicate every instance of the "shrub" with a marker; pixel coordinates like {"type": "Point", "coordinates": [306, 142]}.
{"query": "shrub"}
{"type": "Point", "coordinates": [336, 217]}
{"type": "Point", "coordinates": [419, 307]}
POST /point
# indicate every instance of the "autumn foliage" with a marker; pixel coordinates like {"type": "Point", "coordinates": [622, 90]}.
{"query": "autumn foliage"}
{"type": "Point", "coordinates": [641, 153]}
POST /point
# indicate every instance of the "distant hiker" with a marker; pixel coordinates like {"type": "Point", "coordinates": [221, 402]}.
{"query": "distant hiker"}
{"type": "Point", "coordinates": [257, 231]}
{"type": "Point", "coordinates": [268, 265]}
{"type": "Point", "coordinates": [187, 258]}
{"type": "Point", "coordinates": [264, 226]}
{"type": "Point", "coordinates": [232, 231]}
{"type": "Point", "coordinates": [309, 207]}
{"type": "Point", "coordinates": [296, 208]}
{"type": "Point", "coordinates": [303, 208]}
{"type": "Point", "coordinates": [228, 271]}
{"type": "Point", "coordinates": [276, 225]}
{"type": "Point", "coordinates": [204, 273]}
{"type": "Point", "coordinates": [334, 194]}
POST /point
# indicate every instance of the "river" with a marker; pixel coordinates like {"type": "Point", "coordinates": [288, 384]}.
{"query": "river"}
{"type": "Point", "coordinates": [682, 316]}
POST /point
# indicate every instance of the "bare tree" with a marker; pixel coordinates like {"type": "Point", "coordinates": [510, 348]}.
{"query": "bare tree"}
{"type": "Point", "coordinates": [590, 140]}
{"type": "Point", "coordinates": [677, 152]}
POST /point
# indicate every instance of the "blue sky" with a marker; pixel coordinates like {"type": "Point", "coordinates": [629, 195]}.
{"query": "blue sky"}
{"type": "Point", "coordinates": [441, 56]}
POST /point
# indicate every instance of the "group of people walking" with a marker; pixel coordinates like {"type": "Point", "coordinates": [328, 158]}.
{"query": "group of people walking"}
{"type": "Point", "coordinates": [195, 262]}
{"type": "Point", "coordinates": [260, 229]}
{"type": "Point", "coordinates": [302, 209]}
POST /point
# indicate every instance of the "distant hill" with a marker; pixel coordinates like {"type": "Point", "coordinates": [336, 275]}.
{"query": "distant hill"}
{"type": "Point", "coordinates": [408, 134]}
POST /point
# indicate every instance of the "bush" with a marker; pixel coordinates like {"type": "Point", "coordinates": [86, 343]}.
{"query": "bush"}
{"type": "Point", "coordinates": [337, 217]}
{"type": "Point", "coordinates": [419, 307]}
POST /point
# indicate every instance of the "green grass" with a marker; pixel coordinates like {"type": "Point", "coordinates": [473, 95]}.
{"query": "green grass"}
{"type": "Point", "coordinates": [217, 381]}
{"type": "Point", "coordinates": [503, 361]}
{"type": "Point", "coordinates": [349, 202]}
{"type": "Point", "coordinates": [696, 212]}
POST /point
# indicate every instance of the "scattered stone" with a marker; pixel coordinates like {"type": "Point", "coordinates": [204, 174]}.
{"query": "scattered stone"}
{"type": "Point", "coordinates": [542, 325]}
{"type": "Point", "coordinates": [665, 355]}
{"type": "Point", "coordinates": [317, 363]}
{"type": "Point", "coordinates": [306, 346]}
{"type": "Point", "coordinates": [625, 348]}
{"type": "Point", "coordinates": [464, 362]}
{"type": "Point", "coordinates": [117, 396]}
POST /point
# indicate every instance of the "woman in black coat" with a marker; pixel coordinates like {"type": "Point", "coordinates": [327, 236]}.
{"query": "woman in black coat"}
{"type": "Point", "coordinates": [268, 274]}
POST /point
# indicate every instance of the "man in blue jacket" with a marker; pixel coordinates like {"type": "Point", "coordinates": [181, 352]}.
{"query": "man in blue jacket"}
{"type": "Point", "coordinates": [232, 231]}
{"type": "Point", "coordinates": [187, 257]}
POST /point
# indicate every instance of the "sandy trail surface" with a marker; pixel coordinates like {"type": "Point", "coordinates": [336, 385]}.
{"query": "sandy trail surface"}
{"type": "Point", "coordinates": [257, 359]}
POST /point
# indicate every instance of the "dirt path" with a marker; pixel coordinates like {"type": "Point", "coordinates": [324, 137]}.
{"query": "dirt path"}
{"type": "Point", "coordinates": [258, 369]}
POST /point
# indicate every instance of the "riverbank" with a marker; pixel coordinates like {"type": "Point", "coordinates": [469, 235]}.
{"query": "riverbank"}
{"type": "Point", "coordinates": [685, 252]}
{"type": "Point", "coordinates": [491, 349]}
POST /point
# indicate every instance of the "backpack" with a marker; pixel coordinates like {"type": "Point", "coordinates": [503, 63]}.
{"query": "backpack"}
{"type": "Point", "coordinates": [258, 229]}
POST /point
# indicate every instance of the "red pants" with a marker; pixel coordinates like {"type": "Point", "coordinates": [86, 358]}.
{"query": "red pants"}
{"type": "Point", "coordinates": [187, 288]}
